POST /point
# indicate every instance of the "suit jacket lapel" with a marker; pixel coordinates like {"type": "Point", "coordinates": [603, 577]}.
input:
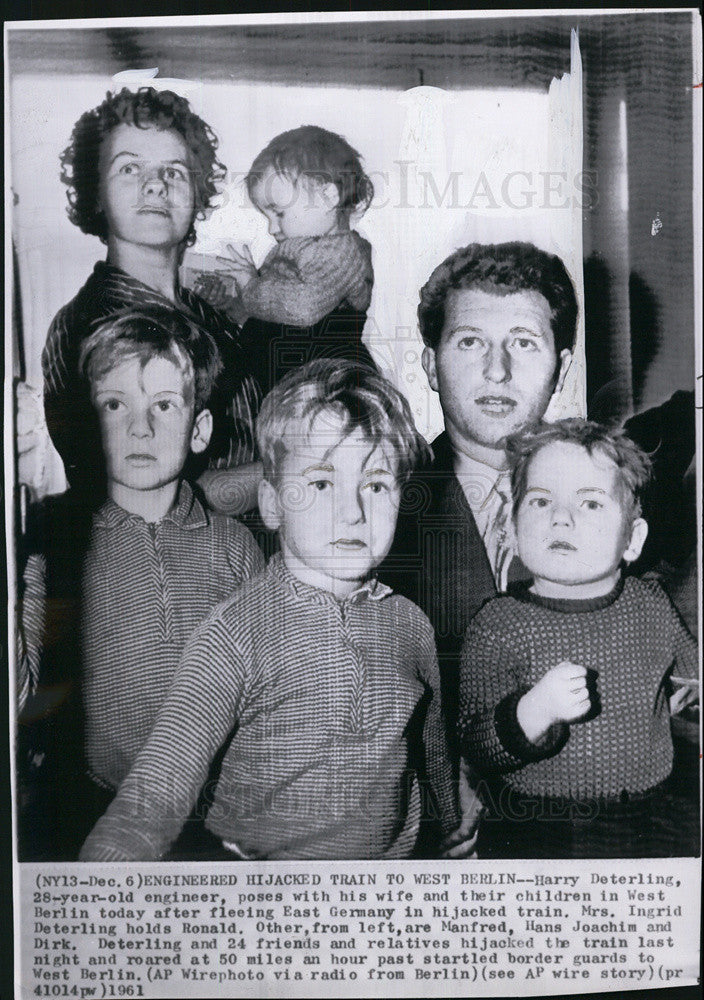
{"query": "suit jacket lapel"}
{"type": "Point", "coordinates": [461, 578]}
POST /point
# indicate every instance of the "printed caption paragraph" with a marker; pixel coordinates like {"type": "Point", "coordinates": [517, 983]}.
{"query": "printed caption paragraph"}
{"type": "Point", "coordinates": [357, 929]}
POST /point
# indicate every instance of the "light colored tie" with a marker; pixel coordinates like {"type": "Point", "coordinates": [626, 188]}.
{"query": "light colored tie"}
{"type": "Point", "coordinates": [498, 537]}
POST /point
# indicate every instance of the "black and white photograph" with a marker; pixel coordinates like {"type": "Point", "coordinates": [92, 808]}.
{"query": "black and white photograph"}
{"type": "Point", "coordinates": [353, 367]}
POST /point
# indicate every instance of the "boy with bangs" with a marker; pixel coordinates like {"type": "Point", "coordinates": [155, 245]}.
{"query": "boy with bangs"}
{"type": "Point", "coordinates": [118, 591]}
{"type": "Point", "coordinates": [565, 681]}
{"type": "Point", "coordinates": [321, 685]}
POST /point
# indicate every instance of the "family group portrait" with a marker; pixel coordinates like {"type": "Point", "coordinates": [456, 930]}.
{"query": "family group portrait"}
{"type": "Point", "coordinates": [351, 438]}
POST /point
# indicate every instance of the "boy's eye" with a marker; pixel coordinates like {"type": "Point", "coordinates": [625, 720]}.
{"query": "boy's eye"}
{"type": "Point", "coordinates": [111, 405]}
{"type": "Point", "coordinates": [320, 484]}
{"type": "Point", "coordinates": [129, 168]}
{"type": "Point", "coordinates": [525, 344]}
{"type": "Point", "coordinates": [376, 486]}
{"type": "Point", "coordinates": [538, 502]}
{"type": "Point", "coordinates": [164, 405]}
{"type": "Point", "coordinates": [592, 504]}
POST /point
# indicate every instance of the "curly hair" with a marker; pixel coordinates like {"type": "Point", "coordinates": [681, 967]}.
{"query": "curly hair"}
{"type": "Point", "coordinates": [322, 156]}
{"type": "Point", "coordinates": [501, 268]}
{"type": "Point", "coordinates": [80, 161]}
{"type": "Point", "coordinates": [361, 397]}
{"type": "Point", "coordinates": [633, 466]}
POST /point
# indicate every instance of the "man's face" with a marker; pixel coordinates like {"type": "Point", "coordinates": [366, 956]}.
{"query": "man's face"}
{"type": "Point", "coordinates": [147, 424]}
{"type": "Point", "coordinates": [146, 186]}
{"type": "Point", "coordinates": [494, 368]}
{"type": "Point", "coordinates": [335, 505]}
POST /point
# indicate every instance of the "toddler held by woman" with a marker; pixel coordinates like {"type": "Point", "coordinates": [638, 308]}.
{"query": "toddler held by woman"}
{"type": "Point", "coordinates": [310, 296]}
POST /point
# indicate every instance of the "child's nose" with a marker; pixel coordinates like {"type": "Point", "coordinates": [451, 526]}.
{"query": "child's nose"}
{"type": "Point", "coordinates": [562, 515]}
{"type": "Point", "coordinates": [141, 424]}
{"type": "Point", "coordinates": [350, 509]}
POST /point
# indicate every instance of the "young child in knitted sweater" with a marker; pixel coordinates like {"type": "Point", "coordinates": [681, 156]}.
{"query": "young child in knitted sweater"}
{"type": "Point", "coordinates": [565, 680]}
{"type": "Point", "coordinates": [310, 296]}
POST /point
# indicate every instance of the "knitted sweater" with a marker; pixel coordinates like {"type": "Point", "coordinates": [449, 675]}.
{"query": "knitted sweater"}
{"type": "Point", "coordinates": [630, 638]}
{"type": "Point", "coordinates": [327, 712]}
{"type": "Point", "coordinates": [306, 277]}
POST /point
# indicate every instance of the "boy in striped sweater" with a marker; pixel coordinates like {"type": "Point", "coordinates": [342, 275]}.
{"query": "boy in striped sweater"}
{"type": "Point", "coordinates": [565, 681]}
{"type": "Point", "coordinates": [319, 684]}
{"type": "Point", "coordinates": [110, 595]}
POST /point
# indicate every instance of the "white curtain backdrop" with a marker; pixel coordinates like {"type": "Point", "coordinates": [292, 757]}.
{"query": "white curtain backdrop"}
{"type": "Point", "coordinates": [449, 168]}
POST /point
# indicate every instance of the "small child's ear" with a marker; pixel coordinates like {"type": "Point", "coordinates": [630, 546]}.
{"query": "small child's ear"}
{"type": "Point", "coordinates": [202, 429]}
{"type": "Point", "coordinates": [639, 533]}
{"type": "Point", "coordinates": [269, 507]}
{"type": "Point", "coordinates": [330, 195]}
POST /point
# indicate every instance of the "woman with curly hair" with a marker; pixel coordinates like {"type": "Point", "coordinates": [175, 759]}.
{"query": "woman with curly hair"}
{"type": "Point", "coordinates": [140, 169]}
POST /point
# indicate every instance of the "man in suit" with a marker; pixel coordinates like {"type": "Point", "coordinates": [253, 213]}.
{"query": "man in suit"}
{"type": "Point", "coordinates": [498, 323]}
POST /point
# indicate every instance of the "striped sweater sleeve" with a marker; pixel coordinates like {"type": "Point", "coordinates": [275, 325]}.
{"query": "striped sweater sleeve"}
{"type": "Point", "coordinates": [203, 704]}
{"type": "Point", "coordinates": [437, 754]}
{"type": "Point", "coordinates": [244, 556]}
{"type": "Point", "coordinates": [31, 614]}
{"type": "Point", "coordinates": [55, 356]}
{"type": "Point", "coordinates": [304, 279]}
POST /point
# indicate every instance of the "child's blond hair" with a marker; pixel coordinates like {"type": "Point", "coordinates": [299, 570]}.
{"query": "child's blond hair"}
{"type": "Point", "coordinates": [149, 333]}
{"type": "Point", "coordinates": [633, 466]}
{"type": "Point", "coordinates": [361, 397]}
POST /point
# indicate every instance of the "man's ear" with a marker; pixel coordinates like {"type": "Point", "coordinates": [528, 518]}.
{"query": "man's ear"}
{"type": "Point", "coordinates": [639, 533]}
{"type": "Point", "coordinates": [269, 507]}
{"type": "Point", "coordinates": [565, 362]}
{"type": "Point", "coordinates": [202, 429]}
{"type": "Point", "coordinates": [428, 361]}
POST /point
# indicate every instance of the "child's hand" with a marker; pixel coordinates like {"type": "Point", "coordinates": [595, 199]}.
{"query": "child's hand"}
{"type": "Point", "coordinates": [461, 842]}
{"type": "Point", "coordinates": [560, 696]}
{"type": "Point", "coordinates": [239, 266]}
{"type": "Point", "coordinates": [213, 289]}
{"type": "Point", "coordinates": [685, 695]}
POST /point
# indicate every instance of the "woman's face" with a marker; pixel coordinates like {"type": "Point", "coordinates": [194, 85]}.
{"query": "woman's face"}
{"type": "Point", "coordinates": [146, 186]}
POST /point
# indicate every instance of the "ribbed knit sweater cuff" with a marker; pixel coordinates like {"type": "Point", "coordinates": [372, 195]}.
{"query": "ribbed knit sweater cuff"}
{"type": "Point", "coordinates": [515, 741]}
